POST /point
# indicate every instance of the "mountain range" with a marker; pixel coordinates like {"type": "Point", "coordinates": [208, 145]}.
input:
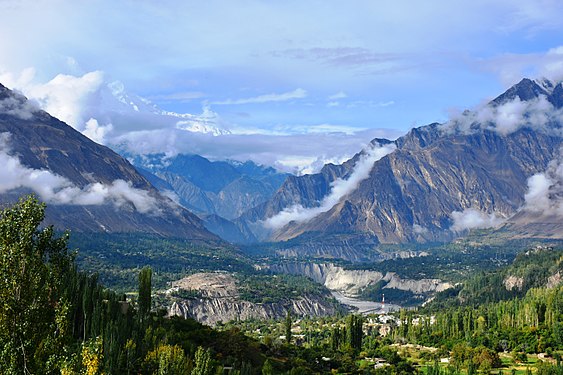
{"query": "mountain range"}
{"type": "Point", "coordinates": [498, 166]}
{"type": "Point", "coordinates": [439, 181]}
{"type": "Point", "coordinates": [88, 187]}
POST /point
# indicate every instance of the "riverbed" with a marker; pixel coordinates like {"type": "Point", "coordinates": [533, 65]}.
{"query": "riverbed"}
{"type": "Point", "coordinates": [365, 307]}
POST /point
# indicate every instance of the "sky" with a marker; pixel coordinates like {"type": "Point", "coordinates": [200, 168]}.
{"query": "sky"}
{"type": "Point", "coordinates": [293, 84]}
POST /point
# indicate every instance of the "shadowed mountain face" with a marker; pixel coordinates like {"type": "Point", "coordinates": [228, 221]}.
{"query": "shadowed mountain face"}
{"type": "Point", "coordinates": [88, 187]}
{"type": "Point", "coordinates": [224, 188]}
{"type": "Point", "coordinates": [218, 191]}
{"type": "Point", "coordinates": [436, 170]}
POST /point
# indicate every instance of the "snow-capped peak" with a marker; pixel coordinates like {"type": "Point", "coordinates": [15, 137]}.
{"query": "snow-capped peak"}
{"type": "Point", "coordinates": [546, 84]}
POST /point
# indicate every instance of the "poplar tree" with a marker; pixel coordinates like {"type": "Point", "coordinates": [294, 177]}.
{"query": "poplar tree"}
{"type": "Point", "coordinates": [32, 265]}
{"type": "Point", "coordinates": [145, 286]}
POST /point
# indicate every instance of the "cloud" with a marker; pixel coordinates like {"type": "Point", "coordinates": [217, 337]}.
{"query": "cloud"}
{"type": "Point", "coordinates": [56, 189]}
{"type": "Point", "coordinates": [506, 118]}
{"type": "Point", "coordinates": [339, 188]}
{"type": "Point", "coordinates": [545, 190]}
{"type": "Point", "coordinates": [108, 114]}
{"type": "Point", "coordinates": [65, 97]}
{"type": "Point", "coordinates": [96, 132]}
{"type": "Point", "coordinates": [290, 95]}
{"type": "Point", "coordinates": [418, 229]}
{"type": "Point", "coordinates": [295, 153]}
{"type": "Point", "coordinates": [18, 106]}
{"type": "Point", "coordinates": [338, 95]}
{"type": "Point", "coordinates": [340, 56]}
{"type": "Point", "coordinates": [511, 67]}
{"type": "Point", "coordinates": [471, 218]}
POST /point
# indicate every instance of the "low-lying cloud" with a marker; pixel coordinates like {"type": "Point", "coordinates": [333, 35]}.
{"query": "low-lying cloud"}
{"type": "Point", "coordinates": [290, 95]}
{"type": "Point", "coordinates": [471, 218]}
{"type": "Point", "coordinates": [17, 105]}
{"type": "Point", "coordinates": [56, 189]}
{"type": "Point", "coordinates": [506, 118]}
{"type": "Point", "coordinates": [104, 111]}
{"type": "Point", "coordinates": [339, 188]}
{"type": "Point", "coordinates": [545, 190]}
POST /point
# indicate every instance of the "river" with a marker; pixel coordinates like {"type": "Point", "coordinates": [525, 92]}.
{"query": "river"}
{"type": "Point", "coordinates": [365, 307]}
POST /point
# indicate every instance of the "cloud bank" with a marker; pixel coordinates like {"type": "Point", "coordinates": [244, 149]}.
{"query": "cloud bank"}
{"type": "Point", "coordinates": [104, 111]}
{"type": "Point", "coordinates": [471, 218]}
{"type": "Point", "coordinates": [339, 188]}
{"type": "Point", "coordinates": [545, 190]}
{"type": "Point", "coordinates": [56, 189]}
{"type": "Point", "coordinates": [537, 114]}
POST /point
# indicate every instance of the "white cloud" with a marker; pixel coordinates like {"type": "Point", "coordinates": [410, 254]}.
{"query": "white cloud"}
{"type": "Point", "coordinates": [545, 190]}
{"type": "Point", "coordinates": [418, 229]}
{"type": "Point", "coordinates": [56, 189]}
{"type": "Point", "coordinates": [65, 97]}
{"type": "Point", "coordinates": [96, 132]}
{"type": "Point", "coordinates": [338, 95]}
{"type": "Point", "coordinates": [471, 218]}
{"type": "Point", "coordinates": [339, 188]}
{"type": "Point", "coordinates": [16, 105]}
{"type": "Point", "coordinates": [295, 94]}
{"type": "Point", "coordinates": [295, 153]}
{"type": "Point", "coordinates": [538, 114]}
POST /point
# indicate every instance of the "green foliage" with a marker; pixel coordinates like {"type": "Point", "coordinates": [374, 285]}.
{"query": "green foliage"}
{"type": "Point", "coordinates": [376, 291]}
{"type": "Point", "coordinates": [530, 269]}
{"type": "Point", "coordinates": [354, 331]}
{"type": "Point", "coordinates": [203, 365]}
{"type": "Point", "coordinates": [118, 258]}
{"type": "Point", "coordinates": [288, 324]}
{"type": "Point", "coordinates": [32, 303]}
{"type": "Point", "coordinates": [145, 288]}
{"type": "Point", "coordinates": [267, 288]}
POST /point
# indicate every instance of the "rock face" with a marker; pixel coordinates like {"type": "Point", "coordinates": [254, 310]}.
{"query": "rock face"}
{"type": "Point", "coordinates": [218, 300]}
{"type": "Point", "coordinates": [222, 188]}
{"type": "Point", "coordinates": [218, 191]}
{"type": "Point", "coordinates": [351, 282]}
{"type": "Point", "coordinates": [40, 142]}
{"type": "Point", "coordinates": [410, 194]}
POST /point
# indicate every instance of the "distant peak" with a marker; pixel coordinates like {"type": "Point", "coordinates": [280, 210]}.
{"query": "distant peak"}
{"type": "Point", "coordinates": [546, 84]}
{"type": "Point", "coordinates": [526, 89]}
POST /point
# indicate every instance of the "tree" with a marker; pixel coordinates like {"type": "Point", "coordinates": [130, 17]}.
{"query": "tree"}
{"type": "Point", "coordinates": [288, 324]}
{"type": "Point", "coordinates": [32, 267]}
{"type": "Point", "coordinates": [267, 368]}
{"type": "Point", "coordinates": [145, 286]}
{"type": "Point", "coordinates": [167, 360]}
{"type": "Point", "coordinates": [203, 365]}
{"type": "Point", "coordinates": [354, 331]}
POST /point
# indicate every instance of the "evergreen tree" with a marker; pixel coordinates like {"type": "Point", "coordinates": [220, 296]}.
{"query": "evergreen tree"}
{"type": "Point", "coordinates": [354, 331]}
{"type": "Point", "coordinates": [145, 287]}
{"type": "Point", "coordinates": [288, 324]}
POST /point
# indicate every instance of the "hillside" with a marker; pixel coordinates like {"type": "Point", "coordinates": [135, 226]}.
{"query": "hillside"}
{"type": "Point", "coordinates": [439, 181]}
{"type": "Point", "coordinates": [89, 187]}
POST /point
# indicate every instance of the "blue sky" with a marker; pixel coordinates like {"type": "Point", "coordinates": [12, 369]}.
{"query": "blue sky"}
{"type": "Point", "coordinates": [308, 81]}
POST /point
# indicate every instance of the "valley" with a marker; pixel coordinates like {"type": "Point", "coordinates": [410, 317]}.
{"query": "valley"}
{"type": "Point", "coordinates": [447, 239]}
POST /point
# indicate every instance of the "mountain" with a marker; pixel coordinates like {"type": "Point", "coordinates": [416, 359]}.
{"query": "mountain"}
{"type": "Point", "coordinates": [440, 180]}
{"type": "Point", "coordinates": [218, 191]}
{"type": "Point", "coordinates": [224, 188]}
{"type": "Point", "coordinates": [88, 187]}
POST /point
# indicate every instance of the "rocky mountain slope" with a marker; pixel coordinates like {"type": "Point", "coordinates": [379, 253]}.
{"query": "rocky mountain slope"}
{"type": "Point", "coordinates": [441, 179]}
{"type": "Point", "coordinates": [215, 297]}
{"type": "Point", "coordinates": [217, 191]}
{"type": "Point", "coordinates": [88, 187]}
{"type": "Point", "coordinates": [224, 188]}
{"type": "Point", "coordinates": [352, 282]}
